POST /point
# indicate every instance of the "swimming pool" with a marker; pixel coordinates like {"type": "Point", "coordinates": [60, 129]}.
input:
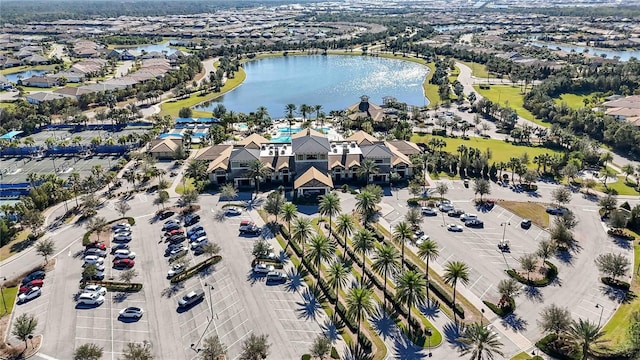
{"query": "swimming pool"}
{"type": "Point", "coordinates": [323, 129]}
{"type": "Point", "coordinates": [242, 126]}
{"type": "Point", "coordinates": [287, 130]}
{"type": "Point", "coordinates": [281, 139]}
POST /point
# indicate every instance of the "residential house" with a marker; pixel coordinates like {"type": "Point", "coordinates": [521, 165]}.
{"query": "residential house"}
{"type": "Point", "coordinates": [40, 81]}
{"type": "Point", "coordinates": [37, 98]}
{"type": "Point", "coordinates": [163, 149]}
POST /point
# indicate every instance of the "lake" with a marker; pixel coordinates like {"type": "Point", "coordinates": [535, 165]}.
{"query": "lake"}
{"type": "Point", "coordinates": [624, 55]}
{"type": "Point", "coordinates": [333, 81]}
{"type": "Point", "coordinates": [24, 75]}
{"type": "Point", "coordinates": [165, 46]}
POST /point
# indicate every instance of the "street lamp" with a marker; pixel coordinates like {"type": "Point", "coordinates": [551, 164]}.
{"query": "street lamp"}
{"type": "Point", "coordinates": [210, 287]}
{"type": "Point", "coordinates": [429, 333]}
{"type": "Point", "coordinates": [2, 294]}
{"type": "Point", "coordinates": [598, 306]}
{"type": "Point", "coordinates": [502, 244]}
{"type": "Point", "coordinates": [482, 317]}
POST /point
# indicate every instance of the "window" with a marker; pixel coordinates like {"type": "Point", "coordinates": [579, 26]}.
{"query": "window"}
{"type": "Point", "coordinates": [221, 172]}
{"type": "Point", "coordinates": [312, 157]}
{"type": "Point", "coordinates": [284, 171]}
{"type": "Point", "coordinates": [239, 164]}
{"type": "Point", "coordinates": [378, 161]}
{"type": "Point", "coordinates": [299, 157]}
{"type": "Point", "coordinates": [323, 156]}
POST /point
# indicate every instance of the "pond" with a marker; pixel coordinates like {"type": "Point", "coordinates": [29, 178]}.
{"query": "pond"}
{"type": "Point", "coordinates": [624, 55]}
{"type": "Point", "coordinates": [165, 46]}
{"type": "Point", "coordinates": [24, 75]}
{"type": "Point", "coordinates": [335, 82]}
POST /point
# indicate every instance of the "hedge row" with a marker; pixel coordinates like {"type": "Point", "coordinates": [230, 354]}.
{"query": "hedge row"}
{"type": "Point", "coordinates": [619, 284]}
{"type": "Point", "coordinates": [87, 235]}
{"type": "Point", "coordinates": [196, 269]}
{"type": "Point", "coordinates": [114, 285]}
{"type": "Point", "coordinates": [552, 272]}
{"type": "Point", "coordinates": [501, 311]}
{"type": "Point", "coordinates": [546, 345]}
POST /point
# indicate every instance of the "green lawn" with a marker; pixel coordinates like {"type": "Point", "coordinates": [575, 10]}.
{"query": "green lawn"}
{"type": "Point", "coordinates": [188, 185]}
{"type": "Point", "coordinates": [5, 105]}
{"type": "Point", "coordinates": [574, 101]}
{"type": "Point", "coordinates": [522, 356]}
{"type": "Point", "coordinates": [528, 210]}
{"type": "Point", "coordinates": [620, 186]}
{"type": "Point", "coordinates": [477, 70]}
{"type": "Point", "coordinates": [172, 108]}
{"type": "Point", "coordinates": [9, 298]}
{"type": "Point", "coordinates": [509, 95]}
{"type": "Point", "coordinates": [617, 327]}
{"type": "Point", "coordinates": [453, 74]}
{"type": "Point", "coordinates": [501, 151]}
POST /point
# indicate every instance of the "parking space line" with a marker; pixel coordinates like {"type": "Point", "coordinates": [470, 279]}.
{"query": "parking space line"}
{"type": "Point", "coordinates": [489, 288]}
{"type": "Point", "coordinates": [217, 302]}
{"type": "Point", "coordinates": [298, 320]}
{"type": "Point", "coordinates": [229, 332]}
{"type": "Point", "coordinates": [232, 316]}
{"type": "Point", "coordinates": [92, 317]}
{"type": "Point", "coordinates": [195, 329]}
{"type": "Point", "coordinates": [301, 341]}
{"type": "Point", "coordinates": [286, 300]}
{"type": "Point", "coordinates": [112, 340]}
{"type": "Point", "coordinates": [134, 331]}
{"type": "Point", "coordinates": [240, 338]}
{"type": "Point", "coordinates": [474, 284]}
{"type": "Point", "coordinates": [305, 331]}
{"type": "Point", "coordinates": [225, 309]}
{"type": "Point", "coordinates": [286, 309]}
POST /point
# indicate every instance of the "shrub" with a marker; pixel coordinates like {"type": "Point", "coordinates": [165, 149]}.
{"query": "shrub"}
{"type": "Point", "coordinates": [334, 353]}
{"type": "Point", "coordinates": [619, 284]}
{"type": "Point", "coordinates": [546, 345]}
{"type": "Point", "coordinates": [501, 311]}
{"type": "Point", "coordinates": [114, 285]}
{"type": "Point", "coordinates": [552, 272]}
{"type": "Point", "coordinates": [196, 269]}
{"type": "Point", "coordinates": [306, 357]}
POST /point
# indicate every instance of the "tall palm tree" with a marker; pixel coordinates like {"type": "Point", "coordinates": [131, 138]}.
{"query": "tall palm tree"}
{"type": "Point", "coordinates": [290, 108]}
{"type": "Point", "coordinates": [359, 305]}
{"type": "Point", "coordinates": [302, 231]}
{"type": "Point", "coordinates": [386, 261]}
{"type": "Point", "coordinates": [585, 334]}
{"type": "Point", "coordinates": [257, 171]}
{"type": "Point", "coordinates": [366, 206]}
{"type": "Point", "coordinates": [345, 227]}
{"type": "Point", "coordinates": [481, 342]}
{"type": "Point", "coordinates": [320, 249]}
{"type": "Point", "coordinates": [289, 212]}
{"type": "Point", "coordinates": [410, 290]}
{"type": "Point", "coordinates": [363, 242]}
{"type": "Point", "coordinates": [329, 206]}
{"type": "Point", "coordinates": [454, 272]}
{"type": "Point", "coordinates": [367, 167]}
{"type": "Point", "coordinates": [338, 277]}
{"type": "Point", "coordinates": [428, 250]}
{"type": "Point", "coordinates": [402, 233]}
{"type": "Point", "coordinates": [317, 108]}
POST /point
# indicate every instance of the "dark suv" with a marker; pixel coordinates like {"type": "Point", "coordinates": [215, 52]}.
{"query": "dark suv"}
{"type": "Point", "coordinates": [191, 219]}
{"type": "Point", "coordinates": [36, 275]}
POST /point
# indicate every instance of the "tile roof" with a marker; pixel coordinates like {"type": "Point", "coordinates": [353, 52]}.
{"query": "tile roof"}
{"type": "Point", "coordinates": [312, 174]}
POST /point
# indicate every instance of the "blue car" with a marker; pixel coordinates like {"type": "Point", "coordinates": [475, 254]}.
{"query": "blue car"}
{"type": "Point", "coordinates": [194, 230]}
{"type": "Point", "coordinates": [197, 234]}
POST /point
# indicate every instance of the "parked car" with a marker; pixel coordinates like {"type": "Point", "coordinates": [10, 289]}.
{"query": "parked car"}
{"type": "Point", "coordinates": [121, 226]}
{"type": "Point", "coordinates": [422, 239]}
{"type": "Point", "coordinates": [191, 298]}
{"type": "Point", "coordinates": [95, 289]}
{"type": "Point", "coordinates": [124, 254]}
{"type": "Point", "coordinates": [467, 216]}
{"type": "Point", "coordinates": [198, 250]}
{"type": "Point", "coordinates": [175, 239]}
{"type": "Point", "coordinates": [30, 294]}
{"type": "Point", "coordinates": [174, 232]}
{"type": "Point", "coordinates": [93, 260]}
{"type": "Point", "coordinates": [122, 231]}
{"type": "Point", "coordinates": [250, 230]}
{"type": "Point", "coordinates": [525, 223]}
{"type": "Point", "coordinates": [455, 212]}
{"type": "Point", "coordinates": [556, 210]}
{"type": "Point", "coordinates": [96, 245]}
{"type": "Point", "coordinates": [445, 207]}
{"type": "Point", "coordinates": [90, 298]}
{"type": "Point", "coordinates": [232, 211]}
{"type": "Point", "coordinates": [454, 227]}
{"type": "Point", "coordinates": [166, 214]}
{"type": "Point", "coordinates": [246, 222]}
{"type": "Point", "coordinates": [416, 234]}
{"type": "Point", "coordinates": [94, 251]}
{"type": "Point", "coordinates": [428, 211]}
{"type": "Point", "coordinates": [191, 219]}
{"type": "Point", "coordinates": [263, 268]}
{"type": "Point", "coordinates": [99, 275]}
{"type": "Point", "coordinates": [176, 253]}
{"type": "Point", "coordinates": [197, 235]}
{"type": "Point", "coordinates": [194, 230]}
{"type": "Point", "coordinates": [31, 284]}
{"type": "Point", "coordinates": [276, 277]}
{"type": "Point", "coordinates": [123, 263]}
{"type": "Point", "coordinates": [117, 247]}
{"type": "Point", "coordinates": [475, 223]}
{"type": "Point", "coordinates": [34, 276]}
{"type": "Point", "coordinates": [175, 270]}
{"type": "Point", "coordinates": [171, 226]}
{"type": "Point", "coordinates": [131, 312]}
{"type": "Point", "coordinates": [122, 237]}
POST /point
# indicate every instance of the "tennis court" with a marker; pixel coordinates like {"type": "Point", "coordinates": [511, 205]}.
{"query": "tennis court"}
{"type": "Point", "coordinates": [17, 170]}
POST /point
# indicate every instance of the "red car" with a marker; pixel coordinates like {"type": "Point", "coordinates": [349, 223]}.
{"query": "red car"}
{"type": "Point", "coordinates": [33, 283]}
{"type": "Point", "coordinates": [96, 245]}
{"type": "Point", "coordinates": [128, 263]}
{"type": "Point", "coordinates": [174, 232]}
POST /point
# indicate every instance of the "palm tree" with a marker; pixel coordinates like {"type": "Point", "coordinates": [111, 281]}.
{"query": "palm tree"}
{"type": "Point", "coordinates": [302, 231]}
{"type": "Point", "coordinates": [402, 233]}
{"type": "Point", "coordinates": [454, 272]}
{"type": "Point", "coordinates": [366, 206]}
{"type": "Point", "coordinates": [338, 277]}
{"type": "Point", "coordinates": [367, 167]}
{"type": "Point", "coordinates": [363, 242]}
{"type": "Point", "coordinates": [410, 290]}
{"type": "Point", "coordinates": [386, 261]}
{"type": "Point", "coordinates": [481, 342]}
{"type": "Point", "coordinates": [428, 250]}
{"type": "Point", "coordinates": [289, 212]}
{"type": "Point", "coordinates": [320, 249]}
{"type": "Point", "coordinates": [585, 334]}
{"type": "Point", "coordinates": [359, 305]}
{"type": "Point", "coordinates": [290, 108]}
{"type": "Point", "coordinates": [257, 171]}
{"type": "Point", "coordinates": [329, 206]}
{"type": "Point", "coordinates": [345, 227]}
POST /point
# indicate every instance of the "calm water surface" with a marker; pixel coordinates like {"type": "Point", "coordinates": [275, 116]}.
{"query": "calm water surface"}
{"type": "Point", "coordinates": [624, 55]}
{"type": "Point", "coordinates": [335, 82]}
{"type": "Point", "coordinates": [24, 75]}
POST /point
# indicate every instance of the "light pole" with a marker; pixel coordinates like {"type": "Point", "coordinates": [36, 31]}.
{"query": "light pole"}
{"type": "Point", "coordinates": [502, 244]}
{"type": "Point", "coordinates": [598, 306]}
{"type": "Point", "coordinates": [429, 333]}
{"type": "Point", "coordinates": [210, 287]}
{"type": "Point", "coordinates": [2, 294]}
{"type": "Point", "coordinates": [482, 317]}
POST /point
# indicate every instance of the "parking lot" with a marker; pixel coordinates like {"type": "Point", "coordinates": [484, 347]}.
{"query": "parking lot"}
{"type": "Point", "coordinates": [38, 307]}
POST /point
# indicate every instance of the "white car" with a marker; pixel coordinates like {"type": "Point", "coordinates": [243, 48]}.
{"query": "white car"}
{"type": "Point", "coordinates": [90, 298]}
{"type": "Point", "coordinates": [122, 231]}
{"type": "Point", "coordinates": [422, 239]}
{"type": "Point", "coordinates": [231, 211]}
{"type": "Point", "coordinates": [467, 216]}
{"type": "Point", "coordinates": [263, 268]}
{"type": "Point", "coordinates": [93, 260]}
{"type": "Point", "coordinates": [176, 253]}
{"type": "Point", "coordinates": [446, 207]}
{"type": "Point", "coordinates": [125, 226]}
{"type": "Point", "coordinates": [124, 254]}
{"type": "Point", "coordinates": [175, 270]}
{"type": "Point", "coordinates": [454, 228]}
{"type": "Point", "coordinates": [201, 241]}
{"type": "Point", "coordinates": [96, 252]}
{"type": "Point", "coordinates": [131, 312]}
{"type": "Point", "coordinates": [428, 211]}
{"type": "Point", "coordinates": [32, 293]}
{"type": "Point", "coordinates": [101, 290]}
{"type": "Point", "coordinates": [122, 237]}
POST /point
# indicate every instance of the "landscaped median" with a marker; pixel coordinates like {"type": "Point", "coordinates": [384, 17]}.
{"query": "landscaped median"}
{"type": "Point", "coordinates": [114, 285]}
{"type": "Point", "coordinates": [190, 272]}
{"type": "Point", "coordinates": [550, 275]}
{"type": "Point", "coordinates": [86, 239]}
